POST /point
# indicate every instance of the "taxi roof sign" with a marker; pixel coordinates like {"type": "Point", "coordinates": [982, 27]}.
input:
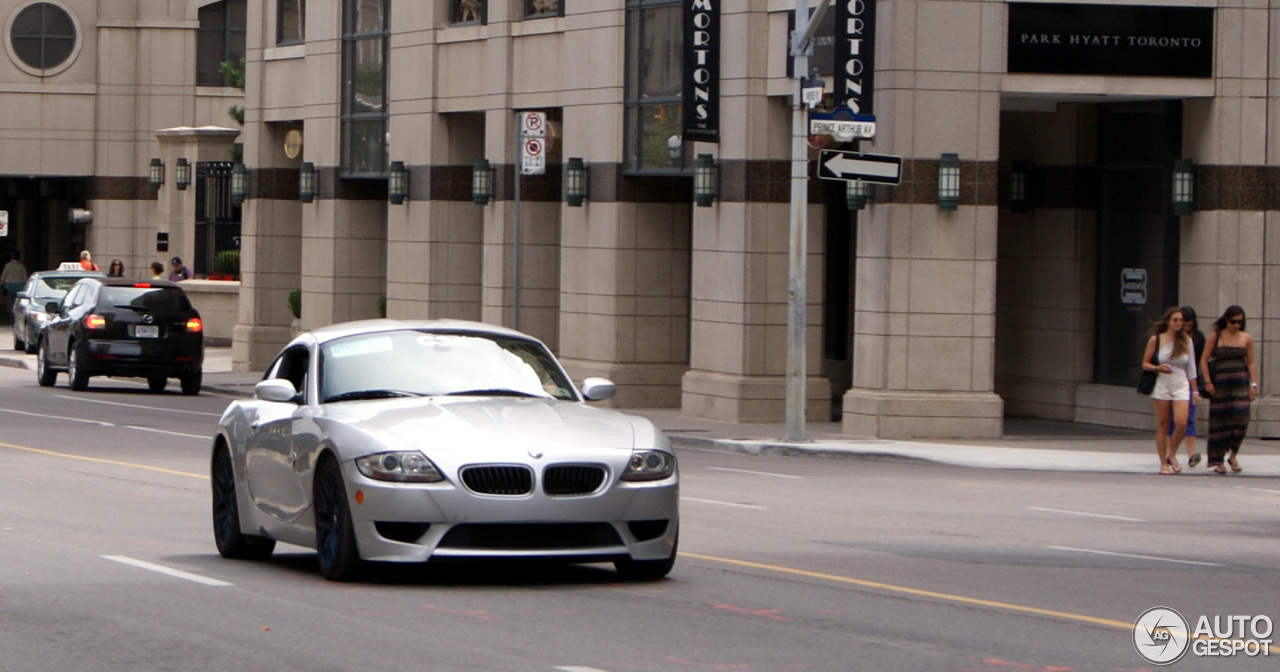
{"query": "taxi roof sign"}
{"type": "Point", "coordinates": [70, 266]}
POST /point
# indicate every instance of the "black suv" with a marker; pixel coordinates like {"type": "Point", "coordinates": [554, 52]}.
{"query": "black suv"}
{"type": "Point", "coordinates": [121, 327]}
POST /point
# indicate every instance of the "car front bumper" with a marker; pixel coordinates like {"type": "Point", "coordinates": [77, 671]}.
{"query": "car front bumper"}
{"type": "Point", "coordinates": [620, 521]}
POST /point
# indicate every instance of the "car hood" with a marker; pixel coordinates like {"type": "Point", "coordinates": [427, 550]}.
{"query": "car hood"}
{"type": "Point", "coordinates": [492, 421]}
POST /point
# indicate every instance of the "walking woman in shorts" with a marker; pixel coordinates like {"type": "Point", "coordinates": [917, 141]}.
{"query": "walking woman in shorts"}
{"type": "Point", "coordinates": [1175, 385]}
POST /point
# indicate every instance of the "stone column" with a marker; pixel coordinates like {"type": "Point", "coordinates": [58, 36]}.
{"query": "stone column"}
{"type": "Point", "coordinates": [924, 334]}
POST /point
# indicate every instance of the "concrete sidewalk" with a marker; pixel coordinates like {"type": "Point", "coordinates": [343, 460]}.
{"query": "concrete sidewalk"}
{"type": "Point", "coordinates": [1040, 445]}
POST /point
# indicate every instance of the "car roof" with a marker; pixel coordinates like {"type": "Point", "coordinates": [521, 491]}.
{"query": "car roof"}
{"type": "Point", "coordinates": [68, 274]}
{"type": "Point", "coordinates": [133, 282]}
{"type": "Point", "coordinates": [343, 329]}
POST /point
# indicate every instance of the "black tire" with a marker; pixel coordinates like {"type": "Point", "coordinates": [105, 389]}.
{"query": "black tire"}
{"type": "Point", "coordinates": [191, 382]}
{"type": "Point", "coordinates": [45, 374]}
{"type": "Point", "coordinates": [231, 542]}
{"type": "Point", "coordinates": [647, 570]}
{"type": "Point", "coordinates": [157, 383]}
{"type": "Point", "coordinates": [336, 550]}
{"type": "Point", "coordinates": [18, 343]}
{"type": "Point", "coordinates": [31, 345]}
{"type": "Point", "coordinates": [76, 371]}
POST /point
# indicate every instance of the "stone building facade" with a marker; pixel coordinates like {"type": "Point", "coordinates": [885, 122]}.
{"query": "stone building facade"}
{"type": "Point", "coordinates": [923, 320]}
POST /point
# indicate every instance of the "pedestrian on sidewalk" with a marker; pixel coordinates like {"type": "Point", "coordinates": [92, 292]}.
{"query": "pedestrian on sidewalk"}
{"type": "Point", "coordinates": [116, 269]}
{"type": "Point", "coordinates": [157, 270]}
{"type": "Point", "coordinates": [1192, 328]}
{"type": "Point", "coordinates": [1175, 385]}
{"type": "Point", "coordinates": [86, 261]}
{"type": "Point", "coordinates": [1232, 386]}
{"type": "Point", "coordinates": [13, 277]}
{"type": "Point", "coordinates": [179, 272]}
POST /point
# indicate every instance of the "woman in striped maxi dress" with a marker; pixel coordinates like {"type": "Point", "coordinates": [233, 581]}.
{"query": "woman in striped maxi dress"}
{"type": "Point", "coordinates": [1233, 384]}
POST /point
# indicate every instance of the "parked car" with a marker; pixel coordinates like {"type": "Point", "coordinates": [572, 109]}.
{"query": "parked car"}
{"type": "Point", "coordinates": [29, 312]}
{"type": "Point", "coordinates": [421, 441]}
{"type": "Point", "coordinates": [122, 327]}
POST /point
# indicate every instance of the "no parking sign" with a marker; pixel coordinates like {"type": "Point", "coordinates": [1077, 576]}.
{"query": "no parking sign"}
{"type": "Point", "coordinates": [4, 223]}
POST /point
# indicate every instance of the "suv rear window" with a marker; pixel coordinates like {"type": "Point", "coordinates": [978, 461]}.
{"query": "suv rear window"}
{"type": "Point", "coordinates": [153, 299]}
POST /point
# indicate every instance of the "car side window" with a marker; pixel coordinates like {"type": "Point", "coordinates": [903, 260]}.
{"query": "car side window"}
{"type": "Point", "coordinates": [292, 366]}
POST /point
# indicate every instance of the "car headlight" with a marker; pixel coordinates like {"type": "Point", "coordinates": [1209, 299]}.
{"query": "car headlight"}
{"type": "Point", "coordinates": [41, 317]}
{"type": "Point", "coordinates": [403, 467]}
{"type": "Point", "coordinates": [650, 465]}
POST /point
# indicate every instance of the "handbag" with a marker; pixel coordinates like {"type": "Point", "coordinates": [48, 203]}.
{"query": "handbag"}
{"type": "Point", "coordinates": [1147, 381]}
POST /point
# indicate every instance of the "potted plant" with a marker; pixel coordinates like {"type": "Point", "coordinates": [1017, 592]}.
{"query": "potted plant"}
{"type": "Point", "coordinates": [226, 265]}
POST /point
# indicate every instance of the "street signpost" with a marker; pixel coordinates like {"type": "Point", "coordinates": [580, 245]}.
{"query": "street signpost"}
{"type": "Point", "coordinates": [4, 223]}
{"type": "Point", "coordinates": [840, 165]}
{"type": "Point", "coordinates": [861, 126]}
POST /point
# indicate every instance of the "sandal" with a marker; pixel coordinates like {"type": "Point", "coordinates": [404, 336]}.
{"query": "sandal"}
{"type": "Point", "coordinates": [1235, 466]}
{"type": "Point", "coordinates": [1219, 469]}
{"type": "Point", "coordinates": [1193, 460]}
{"type": "Point", "coordinates": [1173, 464]}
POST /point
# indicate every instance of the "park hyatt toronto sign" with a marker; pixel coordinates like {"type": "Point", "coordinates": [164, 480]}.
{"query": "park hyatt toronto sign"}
{"type": "Point", "coordinates": [1121, 40]}
{"type": "Point", "coordinates": [701, 108]}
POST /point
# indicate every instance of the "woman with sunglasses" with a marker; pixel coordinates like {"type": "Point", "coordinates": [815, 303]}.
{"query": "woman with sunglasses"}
{"type": "Point", "coordinates": [1233, 384]}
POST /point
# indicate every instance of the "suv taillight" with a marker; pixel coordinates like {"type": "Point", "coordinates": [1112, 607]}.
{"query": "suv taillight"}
{"type": "Point", "coordinates": [94, 322]}
{"type": "Point", "coordinates": [194, 325]}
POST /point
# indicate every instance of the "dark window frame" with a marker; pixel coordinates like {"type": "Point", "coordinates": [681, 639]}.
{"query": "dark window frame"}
{"type": "Point", "coordinates": [226, 33]}
{"type": "Point", "coordinates": [353, 120]}
{"type": "Point", "coordinates": [531, 13]}
{"type": "Point", "coordinates": [455, 12]}
{"type": "Point", "coordinates": [43, 36]}
{"type": "Point", "coordinates": [636, 101]}
{"type": "Point", "coordinates": [300, 8]}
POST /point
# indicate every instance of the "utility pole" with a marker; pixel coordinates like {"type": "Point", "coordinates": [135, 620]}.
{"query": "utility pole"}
{"type": "Point", "coordinates": [797, 277]}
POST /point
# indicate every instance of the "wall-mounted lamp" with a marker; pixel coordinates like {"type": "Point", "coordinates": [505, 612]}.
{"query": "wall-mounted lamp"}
{"type": "Point", "coordinates": [1184, 187]}
{"type": "Point", "coordinates": [705, 174]}
{"type": "Point", "coordinates": [307, 182]}
{"type": "Point", "coordinates": [577, 182]}
{"type": "Point", "coordinates": [239, 183]}
{"type": "Point", "coordinates": [155, 174]}
{"type": "Point", "coordinates": [857, 193]}
{"type": "Point", "coordinates": [182, 174]}
{"type": "Point", "coordinates": [397, 183]}
{"type": "Point", "coordinates": [949, 181]}
{"type": "Point", "coordinates": [1019, 190]}
{"type": "Point", "coordinates": [482, 182]}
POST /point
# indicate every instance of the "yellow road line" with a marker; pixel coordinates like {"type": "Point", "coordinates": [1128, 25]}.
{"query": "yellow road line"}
{"type": "Point", "coordinates": [888, 587]}
{"type": "Point", "coordinates": [131, 465]}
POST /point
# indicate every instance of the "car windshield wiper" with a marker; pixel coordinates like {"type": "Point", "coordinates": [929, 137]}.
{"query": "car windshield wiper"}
{"type": "Point", "coordinates": [371, 394]}
{"type": "Point", "coordinates": [492, 392]}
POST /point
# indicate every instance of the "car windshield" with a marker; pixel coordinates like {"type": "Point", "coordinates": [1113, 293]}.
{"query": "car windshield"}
{"type": "Point", "coordinates": [145, 298]}
{"type": "Point", "coordinates": [52, 289]}
{"type": "Point", "coordinates": [414, 363]}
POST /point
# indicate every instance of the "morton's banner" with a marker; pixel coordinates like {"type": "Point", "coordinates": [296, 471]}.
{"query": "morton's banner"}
{"type": "Point", "coordinates": [701, 70]}
{"type": "Point", "coordinates": [855, 53]}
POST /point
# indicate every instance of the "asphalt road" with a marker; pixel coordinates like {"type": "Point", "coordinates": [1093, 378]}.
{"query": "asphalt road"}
{"type": "Point", "coordinates": [787, 563]}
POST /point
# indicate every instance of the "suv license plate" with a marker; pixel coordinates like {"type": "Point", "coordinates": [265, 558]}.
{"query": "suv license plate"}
{"type": "Point", "coordinates": [146, 331]}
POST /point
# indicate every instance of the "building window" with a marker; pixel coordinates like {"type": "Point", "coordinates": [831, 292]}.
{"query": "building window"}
{"type": "Point", "coordinates": [468, 11]}
{"type": "Point", "coordinates": [365, 35]}
{"type": "Point", "coordinates": [537, 9]}
{"type": "Point", "coordinates": [291, 21]}
{"type": "Point", "coordinates": [219, 39]}
{"type": "Point", "coordinates": [43, 36]}
{"type": "Point", "coordinates": [655, 39]}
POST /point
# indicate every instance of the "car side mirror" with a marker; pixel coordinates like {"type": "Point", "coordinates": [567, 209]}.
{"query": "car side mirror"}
{"type": "Point", "coordinates": [598, 389]}
{"type": "Point", "coordinates": [23, 295]}
{"type": "Point", "coordinates": [53, 307]}
{"type": "Point", "coordinates": [278, 390]}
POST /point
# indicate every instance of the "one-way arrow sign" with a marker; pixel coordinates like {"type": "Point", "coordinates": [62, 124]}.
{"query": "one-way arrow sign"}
{"type": "Point", "coordinates": [838, 165]}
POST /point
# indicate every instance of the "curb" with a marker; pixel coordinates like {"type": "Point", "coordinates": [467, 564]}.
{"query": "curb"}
{"type": "Point", "coordinates": [779, 448]}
